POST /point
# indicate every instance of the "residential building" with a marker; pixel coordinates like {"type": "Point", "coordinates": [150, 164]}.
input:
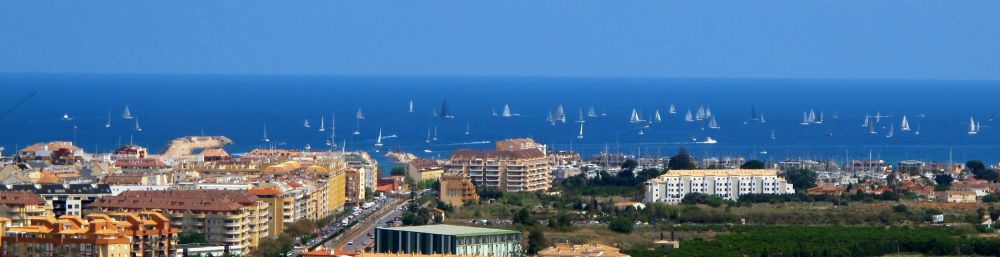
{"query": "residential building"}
{"type": "Point", "coordinates": [423, 169]}
{"type": "Point", "coordinates": [517, 170]}
{"type": "Point", "coordinates": [149, 232]}
{"type": "Point", "coordinates": [956, 196]}
{"type": "Point", "coordinates": [827, 189]}
{"type": "Point", "coordinates": [584, 250]}
{"type": "Point", "coordinates": [281, 208]}
{"type": "Point", "coordinates": [65, 236]}
{"type": "Point", "coordinates": [729, 184]}
{"type": "Point", "coordinates": [457, 189]}
{"type": "Point", "coordinates": [234, 218]}
{"type": "Point", "coordinates": [65, 199]}
{"type": "Point", "coordinates": [21, 206]}
{"type": "Point", "coordinates": [448, 239]}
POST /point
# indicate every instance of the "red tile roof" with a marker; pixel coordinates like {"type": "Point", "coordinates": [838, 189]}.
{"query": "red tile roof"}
{"type": "Point", "coordinates": [20, 198]}
{"type": "Point", "coordinates": [178, 200]}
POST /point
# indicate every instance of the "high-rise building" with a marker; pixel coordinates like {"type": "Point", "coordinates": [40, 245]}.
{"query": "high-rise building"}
{"type": "Point", "coordinates": [516, 166]}
{"type": "Point", "coordinates": [21, 206]}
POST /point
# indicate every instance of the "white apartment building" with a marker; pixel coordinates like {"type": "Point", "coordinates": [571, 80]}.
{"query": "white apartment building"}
{"type": "Point", "coordinates": [729, 184]}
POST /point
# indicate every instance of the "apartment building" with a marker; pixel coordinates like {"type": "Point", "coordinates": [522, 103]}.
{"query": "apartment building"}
{"type": "Point", "coordinates": [21, 206]}
{"type": "Point", "coordinates": [423, 169]}
{"type": "Point", "coordinates": [508, 170]}
{"type": "Point", "coordinates": [235, 218]}
{"type": "Point", "coordinates": [457, 189]}
{"type": "Point", "coordinates": [727, 183]}
{"type": "Point", "coordinates": [65, 199]}
{"type": "Point", "coordinates": [65, 236]}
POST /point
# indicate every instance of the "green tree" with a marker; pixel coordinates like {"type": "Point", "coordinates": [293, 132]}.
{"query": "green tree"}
{"type": "Point", "coordinates": [802, 179]}
{"type": "Point", "coordinates": [943, 181]}
{"type": "Point", "coordinates": [536, 241]}
{"type": "Point", "coordinates": [398, 171]}
{"type": "Point", "coordinates": [753, 164]}
{"type": "Point", "coordinates": [629, 165]}
{"type": "Point", "coordinates": [975, 166]}
{"type": "Point", "coordinates": [192, 238]}
{"type": "Point", "coordinates": [682, 161]}
{"type": "Point", "coordinates": [621, 225]}
{"type": "Point", "coordinates": [523, 216]}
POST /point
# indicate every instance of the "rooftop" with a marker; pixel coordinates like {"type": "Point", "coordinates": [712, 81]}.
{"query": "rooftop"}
{"type": "Point", "coordinates": [453, 230]}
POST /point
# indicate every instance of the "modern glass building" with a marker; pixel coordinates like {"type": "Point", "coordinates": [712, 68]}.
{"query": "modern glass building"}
{"type": "Point", "coordinates": [449, 239]}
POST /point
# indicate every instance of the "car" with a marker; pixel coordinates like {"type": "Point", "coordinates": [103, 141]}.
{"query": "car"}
{"type": "Point", "coordinates": [350, 242]}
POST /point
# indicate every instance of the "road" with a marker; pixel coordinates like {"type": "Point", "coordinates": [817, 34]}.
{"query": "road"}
{"type": "Point", "coordinates": [359, 233]}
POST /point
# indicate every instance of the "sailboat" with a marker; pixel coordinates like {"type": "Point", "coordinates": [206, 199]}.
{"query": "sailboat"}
{"type": "Point", "coordinates": [891, 129]}
{"type": "Point", "coordinates": [712, 124]}
{"type": "Point", "coordinates": [805, 119]}
{"type": "Point", "coordinates": [753, 113]}
{"type": "Point", "coordinates": [871, 129]}
{"type": "Point", "coordinates": [918, 130]}
{"type": "Point", "coordinates": [66, 116]}
{"type": "Point", "coordinates": [634, 118]}
{"type": "Point", "coordinates": [772, 135]}
{"type": "Point", "coordinates": [560, 114]}
{"type": "Point", "coordinates": [493, 111]}
{"type": "Point", "coordinates": [435, 138]}
{"type": "Point", "coordinates": [506, 111]}
{"type": "Point", "coordinates": [360, 115]}
{"type": "Point", "coordinates": [265, 139]}
{"type": "Point", "coordinates": [108, 125]}
{"type": "Point", "coordinates": [428, 135]}
{"type": "Point", "coordinates": [306, 124]}
{"type": "Point", "coordinates": [551, 119]}
{"type": "Point", "coordinates": [866, 121]}
{"type": "Point", "coordinates": [878, 117]}
{"type": "Point", "coordinates": [580, 136]}
{"type": "Point", "coordinates": [905, 126]}
{"type": "Point", "coordinates": [812, 116]}
{"type": "Point", "coordinates": [411, 105]}
{"type": "Point", "coordinates": [378, 141]}
{"type": "Point", "coordinates": [333, 131]}
{"type": "Point", "coordinates": [591, 112]}
{"type": "Point", "coordinates": [656, 117]}
{"type": "Point", "coordinates": [973, 126]}
{"type": "Point", "coordinates": [445, 112]}
{"type": "Point", "coordinates": [357, 127]}
{"type": "Point", "coordinates": [127, 114]}
{"type": "Point", "coordinates": [137, 128]}
{"type": "Point", "coordinates": [322, 127]}
{"type": "Point", "coordinates": [641, 132]}
{"type": "Point", "coordinates": [708, 112]}
{"type": "Point", "coordinates": [604, 112]}
{"type": "Point", "coordinates": [762, 120]}
{"type": "Point", "coordinates": [580, 118]}
{"type": "Point", "coordinates": [466, 128]}
{"type": "Point", "coordinates": [687, 117]}
{"type": "Point", "coordinates": [700, 115]}
{"type": "Point", "coordinates": [672, 109]}
{"type": "Point", "coordinates": [820, 120]}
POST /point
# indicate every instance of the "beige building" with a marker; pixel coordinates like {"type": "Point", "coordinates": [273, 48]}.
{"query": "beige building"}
{"type": "Point", "coordinates": [21, 206]}
{"type": "Point", "coordinates": [585, 250]}
{"type": "Point", "coordinates": [235, 218]}
{"type": "Point", "coordinates": [457, 189]}
{"type": "Point", "coordinates": [422, 169]}
{"type": "Point", "coordinates": [515, 170]}
{"type": "Point", "coordinates": [726, 183]}
{"type": "Point", "coordinates": [956, 196]}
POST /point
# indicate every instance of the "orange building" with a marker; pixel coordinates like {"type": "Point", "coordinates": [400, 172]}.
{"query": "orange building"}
{"type": "Point", "coordinates": [65, 236]}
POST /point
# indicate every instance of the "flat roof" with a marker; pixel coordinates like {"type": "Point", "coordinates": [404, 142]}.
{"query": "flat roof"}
{"type": "Point", "coordinates": [452, 230]}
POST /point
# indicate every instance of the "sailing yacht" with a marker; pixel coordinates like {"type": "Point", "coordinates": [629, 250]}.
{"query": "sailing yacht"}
{"type": "Point", "coordinates": [357, 127]}
{"type": "Point", "coordinates": [378, 141]}
{"type": "Point", "coordinates": [634, 118]}
{"type": "Point", "coordinates": [137, 128]}
{"type": "Point", "coordinates": [973, 126]}
{"type": "Point", "coordinates": [322, 127]}
{"type": "Point", "coordinates": [753, 113]}
{"type": "Point", "coordinates": [891, 129]}
{"type": "Point", "coordinates": [466, 128]}
{"type": "Point", "coordinates": [866, 121]}
{"type": "Point", "coordinates": [445, 112]}
{"type": "Point", "coordinates": [591, 112]}
{"type": "Point", "coordinates": [772, 135]}
{"type": "Point", "coordinates": [672, 109]}
{"type": "Point", "coordinates": [580, 136]}
{"type": "Point", "coordinates": [762, 120]}
{"type": "Point", "coordinates": [551, 119]}
{"type": "Point", "coordinates": [641, 132]}
{"type": "Point", "coordinates": [905, 126]}
{"type": "Point", "coordinates": [708, 112]}
{"type": "Point", "coordinates": [66, 116]}
{"type": "Point", "coordinates": [411, 105]}
{"type": "Point", "coordinates": [871, 129]}
{"type": "Point", "coordinates": [580, 118]}
{"type": "Point", "coordinates": [265, 139]}
{"type": "Point", "coordinates": [918, 130]}
{"type": "Point", "coordinates": [812, 116]}
{"type": "Point", "coordinates": [306, 124]}
{"type": "Point", "coordinates": [493, 111]}
{"type": "Point", "coordinates": [700, 115]}
{"type": "Point", "coordinates": [108, 125]}
{"type": "Point", "coordinates": [878, 117]}
{"type": "Point", "coordinates": [560, 114]}
{"type": "Point", "coordinates": [656, 117]}
{"type": "Point", "coordinates": [428, 135]}
{"type": "Point", "coordinates": [435, 138]}
{"type": "Point", "coordinates": [506, 111]}
{"type": "Point", "coordinates": [712, 124]}
{"type": "Point", "coordinates": [333, 130]}
{"type": "Point", "coordinates": [360, 115]}
{"type": "Point", "coordinates": [820, 120]}
{"type": "Point", "coordinates": [687, 117]}
{"type": "Point", "coordinates": [805, 119]}
{"type": "Point", "coordinates": [127, 114]}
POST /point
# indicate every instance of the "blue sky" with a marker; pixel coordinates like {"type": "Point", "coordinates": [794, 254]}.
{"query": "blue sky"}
{"type": "Point", "coordinates": [844, 39]}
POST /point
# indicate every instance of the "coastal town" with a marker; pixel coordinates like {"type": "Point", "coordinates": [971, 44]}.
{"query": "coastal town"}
{"type": "Point", "coordinates": [518, 198]}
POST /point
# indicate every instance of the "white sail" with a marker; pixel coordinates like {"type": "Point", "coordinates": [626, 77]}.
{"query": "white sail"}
{"type": "Point", "coordinates": [708, 112]}
{"type": "Point", "coordinates": [108, 125]}
{"type": "Point", "coordinates": [905, 126]}
{"type": "Point", "coordinates": [592, 112]}
{"type": "Point", "coordinates": [322, 126]}
{"type": "Point", "coordinates": [805, 118]}
{"type": "Point", "coordinates": [265, 139]}
{"type": "Point", "coordinates": [866, 121]}
{"type": "Point", "coordinates": [137, 128]}
{"type": "Point", "coordinates": [687, 117]}
{"type": "Point", "coordinates": [378, 141]}
{"type": "Point", "coordinates": [435, 138]}
{"type": "Point", "coordinates": [973, 127]}
{"type": "Point", "coordinates": [871, 129]}
{"type": "Point", "coordinates": [560, 114]}
{"type": "Point", "coordinates": [306, 123]}
{"type": "Point", "coordinates": [657, 117]}
{"type": "Point", "coordinates": [762, 120]}
{"type": "Point", "coordinates": [506, 111]}
{"type": "Point", "coordinates": [812, 116]}
{"type": "Point", "coordinates": [634, 118]}
{"type": "Point", "coordinates": [493, 111]}
{"type": "Point", "coordinates": [672, 110]}
{"type": "Point", "coordinates": [360, 115]}
{"type": "Point", "coordinates": [700, 115]}
{"type": "Point", "coordinates": [411, 105]}
{"type": "Point", "coordinates": [891, 129]}
{"type": "Point", "coordinates": [551, 119]}
{"type": "Point", "coordinates": [466, 128]}
{"type": "Point", "coordinates": [580, 118]}
{"type": "Point", "coordinates": [333, 130]}
{"type": "Point", "coordinates": [580, 136]}
{"type": "Point", "coordinates": [127, 114]}
{"type": "Point", "coordinates": [428, 135]}
{"type": "Point", "coordinates": [820, 120]}
{"type": "Point", "coordinates": [712, 124]}
{"type": "Point", "coordinates": [772, 135]}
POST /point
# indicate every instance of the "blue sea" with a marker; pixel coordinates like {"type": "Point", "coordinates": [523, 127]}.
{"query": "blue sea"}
{"type": "Point", "coordinates": [171, 106]}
